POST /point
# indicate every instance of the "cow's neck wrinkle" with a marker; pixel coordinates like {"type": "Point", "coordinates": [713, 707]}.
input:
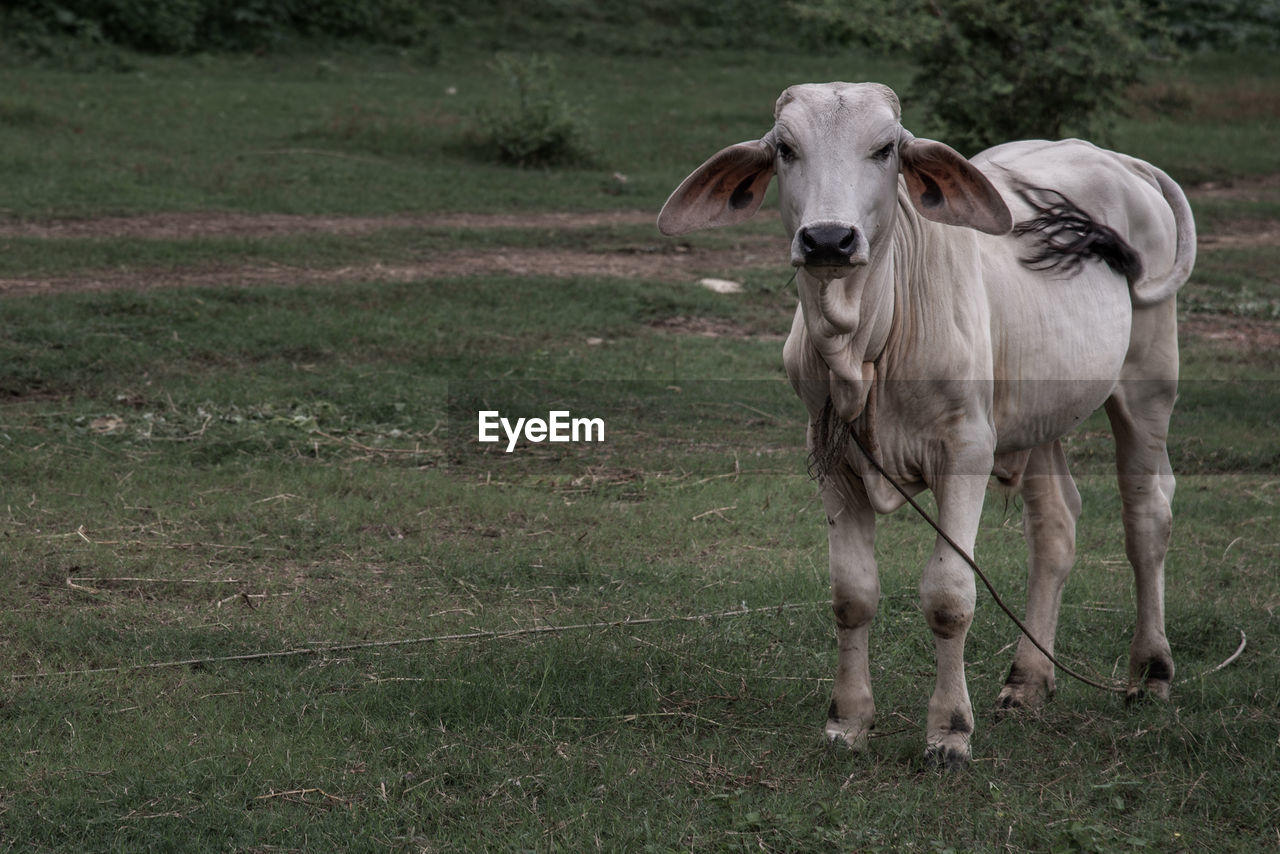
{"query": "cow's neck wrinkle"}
{"type": "Point", "coordinates": [934, 300]}
{"type": "Point", "coordinates": [848, 322]}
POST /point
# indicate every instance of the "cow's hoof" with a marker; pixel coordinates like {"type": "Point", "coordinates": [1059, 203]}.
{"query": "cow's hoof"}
{"type": "Point", "coordinates": [949, 749]}
{"type": "Point", "coordinates": [1024, 696]}
{"type": "Point", "coordinates": [1152, 689]}
{"type": "Point", "coordinates": [847, 735]}
{"type": "Point", "coordinates": [1024, 688]}
{"type": "Point", "coordinates": [946, 757]}
{"type": "Point", "coordinates": [1151, 681]}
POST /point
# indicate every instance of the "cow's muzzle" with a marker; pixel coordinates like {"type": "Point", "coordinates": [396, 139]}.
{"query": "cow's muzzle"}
{"type": "Point", "coordinates": [828, 246]}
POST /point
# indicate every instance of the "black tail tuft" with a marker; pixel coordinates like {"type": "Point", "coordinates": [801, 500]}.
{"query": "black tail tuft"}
{"type": "Point", "coordinates": [1069, 237]}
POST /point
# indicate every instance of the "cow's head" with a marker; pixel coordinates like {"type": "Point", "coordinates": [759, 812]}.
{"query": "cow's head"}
{"type": "Point", "coordinates": [837, 149]}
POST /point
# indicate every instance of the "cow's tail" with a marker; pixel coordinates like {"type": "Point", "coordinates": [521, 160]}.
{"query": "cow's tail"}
{"type": "Point", "coordinates": [1069, 237]}
{"type": "Point", "coordinates": [1150, 291]}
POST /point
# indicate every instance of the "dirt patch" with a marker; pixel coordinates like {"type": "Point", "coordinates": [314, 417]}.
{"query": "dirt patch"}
{"type": "Point", "coordinates": [1254, 189]}
{"type": "Point", "coordinates": [662, 260]}
{"type": "Point", "coordinates": [185, 225]}
{"type": "Point", "coordinates": [1242, 234]}
{"type": "Point", "coordinates": [1239, 333]}
{"type": "Point", "coordinates": [669, 262]}
{"type": "Point", "coordinates": [197, 224]}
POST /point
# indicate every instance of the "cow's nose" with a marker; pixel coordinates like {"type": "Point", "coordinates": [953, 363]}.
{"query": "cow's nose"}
{"type": "Point", "coordinates": [828, 245]}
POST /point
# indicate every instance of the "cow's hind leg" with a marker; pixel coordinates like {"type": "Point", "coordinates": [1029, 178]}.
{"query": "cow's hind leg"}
{"type": "Point", "coordinates": [855, 595]}
{"type": "Point", "coordinates": [1139, 410]}
{"type": "Point", "coordinates": [1051, 508]}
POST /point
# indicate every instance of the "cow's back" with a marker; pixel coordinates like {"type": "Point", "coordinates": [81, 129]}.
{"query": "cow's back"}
{"type": "Point", "coordinates": [1140, 202]}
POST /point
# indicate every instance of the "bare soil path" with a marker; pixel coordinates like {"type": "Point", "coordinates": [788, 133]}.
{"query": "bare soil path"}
{"type": "Point", "coordinates": [677, 262]}
{"type": "Point", "coordinates": [663, 259]}
{"type": "Point", "coordinates": [192, 224]}
{"type": "Point", "coordinates": [180, 225]}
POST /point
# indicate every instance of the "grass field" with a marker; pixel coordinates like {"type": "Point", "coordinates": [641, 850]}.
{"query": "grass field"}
{"type": "Point", "coordinates": [243, 441]}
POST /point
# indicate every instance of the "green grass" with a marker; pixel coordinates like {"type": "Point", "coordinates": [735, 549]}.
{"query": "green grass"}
{"type": "Point", "coordinates": [386, 136]}
{"type": "Point", "coordinates": [252, 502]}
{"type": "Point", "coordinates": [220, 471]}
{"type": "Point", "coordinates": [367, 132]}
{"type": "Point", "coordinates": [1235, 281]}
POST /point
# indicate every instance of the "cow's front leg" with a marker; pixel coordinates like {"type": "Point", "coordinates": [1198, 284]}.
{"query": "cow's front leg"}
{"type": "Point", "coordinates": [855, 595]}
{"type": "Point", "coordinates": [947, 595]}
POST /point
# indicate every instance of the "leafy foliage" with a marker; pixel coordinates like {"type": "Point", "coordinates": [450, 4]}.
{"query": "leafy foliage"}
{"type": "Point", "coordinates": [183, 26]}
{"type": "Point", "coordinates": [615, 27]}
{"type": "Point", "coordinates": [1221, 24]}
{"type": "Point", "coordinates": [993, 70]}
{"type": "Point", "coordinates": [643, 27]}
{"type": "Point", "coordinates": [1020, 69]}
{"type": "Point", "coordinates": [541, 128]}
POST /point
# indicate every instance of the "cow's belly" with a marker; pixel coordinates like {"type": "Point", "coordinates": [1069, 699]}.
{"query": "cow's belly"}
{"type": "Point", "coordinates": [1058, 353]}
{"type": "Point", "coordinates": [1046, 411]}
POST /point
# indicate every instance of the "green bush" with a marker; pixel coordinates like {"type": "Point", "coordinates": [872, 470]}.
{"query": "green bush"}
{"type": "Point", "coordinates": [246, 24]}
{"type": "Point", "coordinates": [1009, 69]}
{"type": "Point", "coordinates": [162, 26]}
{"type": "Point", "coordinates": [541, 127]}
{"type": "Point", "coordinates": [396, 22]}
{"type": "Point", "coordinates": [989, 71]}
{"type": "Point", "coordinates": [1221, 24]}
{"type": "Point", "coordinates": [183, 26]}
{"type": "Point", "coordinates": [642, 27]}
{"type": "Point", "coordinates": [609, 26]}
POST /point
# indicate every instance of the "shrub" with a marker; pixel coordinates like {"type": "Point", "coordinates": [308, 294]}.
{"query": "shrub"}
{"type": "Point", "coordinates": [397, 22]}
{"type": "Point", "coordinates": [993, 70]}
{"type": "Point", "coordinates": [1221, 24]}
{"type": "Point", "coordinates": [540, 128]}
{"type": "Point", "coordinates": [1030, 69]}
{"type": "Point", "coordinates": [162, 26]}
{"type": "Point", "coordinates": [183, 26]}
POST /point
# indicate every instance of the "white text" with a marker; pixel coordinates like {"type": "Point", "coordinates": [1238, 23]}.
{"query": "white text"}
{"type": "Point", "coordinates": [558, 426]}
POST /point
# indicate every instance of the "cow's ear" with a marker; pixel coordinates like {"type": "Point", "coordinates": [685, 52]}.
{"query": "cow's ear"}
{"type": "Point", "coordinates": [725, 190]}
{"type": "Point", "coordinates": [947, 188]}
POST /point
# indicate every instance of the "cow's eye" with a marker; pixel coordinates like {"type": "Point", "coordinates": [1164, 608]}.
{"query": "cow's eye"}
{"type": "Point", "coordinates": [884, 152]}
{"type": "Point", "coordinates": [785, 152]}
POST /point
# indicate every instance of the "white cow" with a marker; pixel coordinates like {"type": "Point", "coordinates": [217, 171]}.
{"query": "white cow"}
{"type": "Point", "coordinates": [957, 345]}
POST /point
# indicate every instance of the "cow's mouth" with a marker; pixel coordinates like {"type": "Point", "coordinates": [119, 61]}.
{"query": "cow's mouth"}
{"type": "Point", "coordinates": [830, 272]}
